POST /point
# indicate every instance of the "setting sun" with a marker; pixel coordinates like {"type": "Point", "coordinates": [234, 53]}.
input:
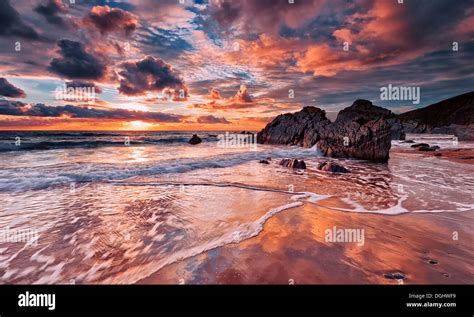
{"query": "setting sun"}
{"type": "Point", "coordinates": [138, 125]}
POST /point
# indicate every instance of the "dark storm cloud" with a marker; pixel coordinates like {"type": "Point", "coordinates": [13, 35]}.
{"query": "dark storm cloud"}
{"type": "Point", "coordinates": [50, 11]}
{"type": "Point", "coordinates": [11, 108]}
{"type": "Point", "coordinates": [83, 84]}
{"type": "Point", "coordinates": [76, 62]}
{"type": "Point", "coordinates": [259, 16]}
{"type": "Point", "coordinates": [41, 110]}
{"type": "Point", "coordinates": [11, 23]}
{"type": "Point", "coordinates": [148, 74]}
{"type": "Point", "coordinates": [211, 120]}
{"type": "Point", "coordinates": [8, 90]}
{"type": "Point", "coordinates": [107, 19]}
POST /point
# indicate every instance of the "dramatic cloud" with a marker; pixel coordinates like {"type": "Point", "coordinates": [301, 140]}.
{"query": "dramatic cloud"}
{"type": "Point", "coordinates": [243, 95]}
{"type": "Point", "coordinates": [261, 15]}
{"type": "Point", "coordinates": [76, 62]}
{"type": "Point", "coordinates": [191, 59]}
{"type": "Point", "coordinates": [11, 24]}
{"type": "Point", "coordinates": [41, 110]}
{"type": "Point", "coordinates": [241, 100]}
{"type": "Point", "coordinates": [214, 94]}
{"type": "Point", "coordinates": [50, 11]}
{"type": "Point", "coordinates": [149, 74]}
{"type": "Point", "coordinates": [8, 90]}
{"type": "Point", "coordinates": [107, 19]}
{"type": "Point", "coordinates": [385, 33]}
{"type": "Point", "coordinates": [83, 84]}
{"type": "Point", "coordinates": [211, 120]}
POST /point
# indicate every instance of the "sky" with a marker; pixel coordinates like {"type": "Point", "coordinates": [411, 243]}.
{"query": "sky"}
{"type": "Point", "coordinates": [220, 64]}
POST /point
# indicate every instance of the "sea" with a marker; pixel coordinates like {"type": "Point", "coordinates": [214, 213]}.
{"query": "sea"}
{"type": "Point", "coordinates": [115, 207]}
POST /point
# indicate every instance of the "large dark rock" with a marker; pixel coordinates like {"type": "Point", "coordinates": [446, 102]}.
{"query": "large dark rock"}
{"type": "Point", "coordinates": [195, 140]}
{"type": "Point", "coordinates": [364, 111]}
{"type": "Point", "coordinates": [300, 128]}
{"type": "Point", "coordinates": [357, 132]}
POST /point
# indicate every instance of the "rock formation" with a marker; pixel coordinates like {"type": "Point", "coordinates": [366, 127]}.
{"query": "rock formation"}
{"type": "Point", "coordinates": [332, 167]}
{"type": "Point", "coordinates": [195, 140]}
{"type": "Point", "coordinates": [297, 164]}
{"type": "Point", "coordinates": [362, 131]}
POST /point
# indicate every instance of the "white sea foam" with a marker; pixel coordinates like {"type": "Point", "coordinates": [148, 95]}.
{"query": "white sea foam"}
{"type": "Point", "coordinates": [39, 178]}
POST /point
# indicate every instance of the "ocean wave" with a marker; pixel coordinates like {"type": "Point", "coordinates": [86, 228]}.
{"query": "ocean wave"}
{"type": "Point", "coordinates": [119, 141]}
{"type": "Point", "coordinates": [33, 178]}
{"type": "Point", "coordinates": [246, 231]}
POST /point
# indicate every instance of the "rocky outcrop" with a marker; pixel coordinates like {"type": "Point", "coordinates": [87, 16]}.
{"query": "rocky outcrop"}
{"type": "Point", "coordinates": [195, 140]}
{"type": "Point", "coordinates": [362, 131]}
{"type": "Point", "coordinates": [451, 116]}
{"type": "Point", "coordinates": [299, 128]}
{"type": "Point", "coordinates": [297, 164]}
{"type": "Point", "coordinates": [332, 168]}
{"type": "Point", "coordinates": [364, 110]}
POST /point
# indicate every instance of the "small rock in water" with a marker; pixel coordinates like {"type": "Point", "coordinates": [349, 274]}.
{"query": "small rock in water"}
{"type": "Point", "coordinates": [297, 164]}
{"type": "Point", "coordinates": [428, 148]}
{"type": "Point", "coordinates": [195, 140]}
{"type": "Point", "coordinates": [395, 276]}
{"type": "Point", "coordinates": [432, 262]}
{"type": "Point", "coordinates": [425, 149]}
{"type": "Point", "coordinates": [264, 162]}
{"type": "Point", "coordinates": [332, 167]}
{"type": "Point", "coordinates": [420, 145]}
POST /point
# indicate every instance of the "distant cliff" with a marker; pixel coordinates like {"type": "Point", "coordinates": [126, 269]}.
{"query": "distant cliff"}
{"type": "Point", "coordinates": [451, 116]}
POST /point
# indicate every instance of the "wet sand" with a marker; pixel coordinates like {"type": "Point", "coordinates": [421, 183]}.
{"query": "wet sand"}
{"type": "Point", "coordinates": [292, 249]}
{"type": "Point", "coordinates": [459, 155]}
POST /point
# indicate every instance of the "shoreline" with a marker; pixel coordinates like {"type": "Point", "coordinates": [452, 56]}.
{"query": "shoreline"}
{"type": "Point", "coordinates": [456, 155]}
{"type": "Point", "coordinates": [291, 248]}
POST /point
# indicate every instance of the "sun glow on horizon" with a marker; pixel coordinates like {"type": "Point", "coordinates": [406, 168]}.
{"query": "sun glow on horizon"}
{"type": "Point", "coordinates": [137, 125]}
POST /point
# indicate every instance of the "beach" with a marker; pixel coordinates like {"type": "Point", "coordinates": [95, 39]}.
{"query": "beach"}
{"type": "Point", "coordinates": [161, 211]}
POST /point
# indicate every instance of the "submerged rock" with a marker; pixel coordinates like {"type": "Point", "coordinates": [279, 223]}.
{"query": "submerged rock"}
{"type": "Point", "coordinates": [264, 162]}
{"type": "Point", "coordinates": [195, 140]}
{"type": "Point", "coordinates": [395, 276]}
{"type": "Point", "coordinates": [428, 148]}
{"type": "Point", "coordinates": [362, 131]}
{"type": "Point", "coordinates": [297, 164]}
{"type": "Point", "coordinates": [420, 145]}
{"type": "Point", "coordinates": [332, 167]}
